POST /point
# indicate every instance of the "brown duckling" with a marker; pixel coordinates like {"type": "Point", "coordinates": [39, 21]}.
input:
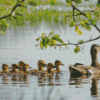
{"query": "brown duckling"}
{"type": "Point", "coordinates": [41, 64]}
{"type": "Point", "coordinates": [21, 63]}
{"type": "Point", "coordinates": [14, 68]}
{"type": "Point", "coordinates": [78, 69]}
{"type": "Point", "coordinates": [57, 64]}
{"type": "Point", "coordinates": [25, 67]}
{"type": "Point", "coordinates": [49, 72]}
{"type": "Point", "coordinates": [5, 68]}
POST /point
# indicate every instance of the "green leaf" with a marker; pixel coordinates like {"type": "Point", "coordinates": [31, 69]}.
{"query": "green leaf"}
{"type": "Point", "coordinates": [42, 35]}
{"type": "Point", "coordinates": [77, 49]}
{"type": "Point", "coordinates": [81, 41]}
{"type": "Point", "coordinates": [68, 1]}
{"type": "Point", "coordinates": [52, 42]}
{"type": "Point", "coordinates": [56, 37]}
{"type": "Point", "coordinates": [87, 0]}
{"type": "Point", "coordinates": [38, 39]}
{"type": "Point", "coordinates": [52, 32]}
{"type": "Point", "coordinates": [86, 26]}
{"type": "Point", "coordinates": [71, 23]}
{"type": "Point", "coordinates": [41, 44]}
{"type": "Point", "coordinates": [96, 13]}
{"type": "Point", "coordinates": [45, 40]}
{"type": "Point", "coordinates": [98, 4]}
{"type": "Point", "coordinates": [77, 1]}
{"type": "Point", "coordinates": [53, 2]}
{"type": "Point", "coordinates": [80, 32]}
{"type": "Point", "coordinates": [32, 2]}
{"type": "Point", "coordinates": [94, 21]}
{"type": "Point", "coordinates": [88, 16]}
{"type": "Point", "coordinates": [76, 29]}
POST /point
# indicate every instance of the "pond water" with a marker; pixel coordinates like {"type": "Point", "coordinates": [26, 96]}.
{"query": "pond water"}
{"type": "Point", "coordinates": [18, 43]}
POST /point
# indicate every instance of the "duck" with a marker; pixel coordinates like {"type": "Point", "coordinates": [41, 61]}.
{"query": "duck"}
{"type": "Point", "coordinates": [93, 69]}
{"type": "Point", "coordinates": [57, 64]}
{"type": "Point", "coordinates": [14, 68]}
{"type": "Point", "coordinates": [41, 64]}
{"type": "Point", "coordinates": [21, 63]}
{"type": "Point", "coordinates": [25, 67]}
{"type": "Point", "coordinates": [5, 70]}
{"type": "Point", "coordinates": [49, 72]}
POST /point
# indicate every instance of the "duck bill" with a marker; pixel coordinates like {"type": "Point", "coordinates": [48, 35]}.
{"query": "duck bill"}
{"type": "Point", "coordinates": [62, 64]}
{"type": "Point", "coordinates": [19, 67]}
{"type": "Point", "coordinates": [54, 67]}
{"type": "Point", "coordinates": [30, 67]}
{"type": "Point", "coordinates": [45, 65]}
{"type": "Point", "coordinates": [9, 68]}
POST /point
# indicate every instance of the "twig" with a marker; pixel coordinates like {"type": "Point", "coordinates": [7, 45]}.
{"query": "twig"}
{"type": "Point", "coordinates": [14, 8]}
{"type": "Point", "coordinates": [79, 43]}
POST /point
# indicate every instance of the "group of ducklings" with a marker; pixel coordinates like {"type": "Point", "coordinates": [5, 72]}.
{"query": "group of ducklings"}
{"type": "Point", "coordinates": [21, 69]}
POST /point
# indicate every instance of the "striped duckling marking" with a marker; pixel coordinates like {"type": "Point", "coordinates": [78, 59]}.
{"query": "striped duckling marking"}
{"type": "Point", "coordinates": [57, 64]}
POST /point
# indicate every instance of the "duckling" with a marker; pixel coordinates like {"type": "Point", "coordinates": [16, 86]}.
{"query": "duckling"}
{"type": "Point", "coordinates": [49, 72]}
{"type": "Point", "coordinates": [21, 63]}
{"type": "Point", "coordinates": [5, 68]}
{"type": "Point", "coordinates": [41, 64]}
{"type": "Point", "coordinates": [57, 64]}
{"type": "Point", "coordinates": [50, 67]}
{"type": "Point", "coordinates": [80, 69]}
{"type": "Point", "coordinates": [25, 67]}
{"type": "Point", "coordinates": [14, 68]}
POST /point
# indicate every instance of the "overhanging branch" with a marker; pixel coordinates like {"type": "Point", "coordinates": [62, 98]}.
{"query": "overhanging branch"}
{"type": "Point", "coordinates": [13, 9]}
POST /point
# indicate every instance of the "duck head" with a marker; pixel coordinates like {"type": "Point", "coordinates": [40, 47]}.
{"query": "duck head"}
{"type": "Point", "coordinates": [25, 67]}
{"type": "Point", "coordinates": [50, 67]}
{"type": "Point", "coordinates": [57, 64]}
{"type": "Point", "coordinates": [41, 64]}
{"type": "Point", "coordinates": [14, 67]}
{"type": "Point", "coordinates": [95, 49]}
{"type": "Point", "coordinates": [5, 67]}
{"type": "Point", "coordinates": [21, 63]}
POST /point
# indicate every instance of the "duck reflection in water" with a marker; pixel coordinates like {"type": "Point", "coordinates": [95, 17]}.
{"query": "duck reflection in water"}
{"type": "Point", "coordinates": [5, 79]}
{"type": "Point", "coordinates": [94, 87]}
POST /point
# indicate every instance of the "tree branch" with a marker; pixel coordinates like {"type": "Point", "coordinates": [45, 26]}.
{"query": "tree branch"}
{"type": "Point", "coordinates": [85, 16]}
{"type": "Point", "coordinates": [13, 9]}
{"type": "Point", "coordinates": [79, 43]}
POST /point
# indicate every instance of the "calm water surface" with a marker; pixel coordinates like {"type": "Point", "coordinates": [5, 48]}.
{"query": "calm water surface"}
{"type": "Point", "coordinates": [19, 44]}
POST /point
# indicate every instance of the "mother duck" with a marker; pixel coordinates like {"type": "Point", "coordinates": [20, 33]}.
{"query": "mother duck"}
{"type": "Point", "coordinates": [80, 69]}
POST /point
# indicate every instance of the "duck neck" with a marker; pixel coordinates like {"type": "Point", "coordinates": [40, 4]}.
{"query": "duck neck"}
{"type": "Point", "coordinates": [95, 62]}
{"type": "Point", "coordinates": [21, 69]}
{"type": "Point", "coordinates": [58, 69]}
{"type": "Point", "coordinates": [5, 70]}
{"type": "Point", "coordinates": [14, 70]}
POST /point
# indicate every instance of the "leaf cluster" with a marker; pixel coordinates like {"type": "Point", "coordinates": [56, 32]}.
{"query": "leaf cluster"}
{"type": "Point", "coordinates": [49, 40]}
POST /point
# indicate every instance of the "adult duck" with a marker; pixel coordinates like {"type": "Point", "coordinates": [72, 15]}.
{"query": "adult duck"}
{"type": "Point", "coordinates": [80, 69]}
